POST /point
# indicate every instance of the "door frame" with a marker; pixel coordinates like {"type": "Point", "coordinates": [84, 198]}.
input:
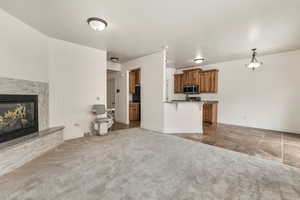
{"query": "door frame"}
{"type": "Point", "coordinates": [128, 93]}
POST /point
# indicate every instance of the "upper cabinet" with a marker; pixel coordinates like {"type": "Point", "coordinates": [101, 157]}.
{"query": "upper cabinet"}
{"type": "Point", "coordinates": [134, 80]}
{"type": "Point", "coordinates": [178, 83]}
{"type": "Point", "coordinates": [209, 81]}
{"type": "Point", "coordinates": [206, 80]}
{"type": "Point", "coordinates": [138, 77]}
{"type": "Point", "coordinates": [191, 77]}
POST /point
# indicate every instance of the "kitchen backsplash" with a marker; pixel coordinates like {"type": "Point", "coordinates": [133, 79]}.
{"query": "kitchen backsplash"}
{"type": "Point", "coordinates": [203, 96]}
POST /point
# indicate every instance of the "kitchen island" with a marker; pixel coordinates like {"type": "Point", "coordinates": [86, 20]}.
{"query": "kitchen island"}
{"type": "Point", "coordinates": [183, 116]}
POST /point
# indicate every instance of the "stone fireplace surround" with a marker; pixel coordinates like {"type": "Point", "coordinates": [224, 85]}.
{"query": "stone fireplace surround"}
{"type": "Point", "coordinates": [19, 151]}
{"type": "Point", "coordinates": [15, 86]}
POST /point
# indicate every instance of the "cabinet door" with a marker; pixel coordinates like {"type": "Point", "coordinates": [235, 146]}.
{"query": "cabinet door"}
{"type": "Point", "coordinates": [191, 77]}
{"type": "Point", "coordinates": [138, 77]}
{"type": "Point", "coordinates": [195, 77]}
{"type": "Point", "coordinates": [214, 80]}
{"type": "Point", "coordinates": [186, 79]}
{"type": "Point", "coordinates": [207, 113]}
{"type": "Point", "coordinates": [178, 83]}
{"type": "Point", "coordinates": [210, 113]}
{"type": "Point", "coordinates": [209, 81]}
{"type": "Point", "coordinates": [134, 112]}
{"type": "Point", "coordinates": [137, 112]}
{"type": "Point", "coordinates": [202, 82]}
{"type": "Point", "coordinates": [131, 113]}
{"type": "Point", "coordinates": [132, 82]}
{"type": "Point", "coordinates": [181, 83]}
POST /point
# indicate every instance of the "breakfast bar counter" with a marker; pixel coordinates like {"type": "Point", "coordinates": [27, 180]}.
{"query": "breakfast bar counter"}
{"type": "Point", "coordinates": [183, 116]}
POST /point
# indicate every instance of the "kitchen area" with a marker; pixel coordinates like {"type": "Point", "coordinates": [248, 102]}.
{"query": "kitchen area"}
{"type": "Point", "coordinates": [135, 96]}
{"type": "Point", "coordinates": [191, 99]}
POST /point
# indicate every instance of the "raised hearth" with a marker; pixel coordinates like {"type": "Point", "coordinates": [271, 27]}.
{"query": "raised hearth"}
{"type": "Point", "coordinates": [17, 152]}
{"type": "Point", "coordinates": [28, 135]}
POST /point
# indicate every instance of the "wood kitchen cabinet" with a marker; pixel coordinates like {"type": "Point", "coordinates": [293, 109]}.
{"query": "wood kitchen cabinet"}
{"type": "Point", "coordinates": [191, 77]}
{"type": "Point", "coordinates": [132, 82]}
{"type": "Point", "coordinates": [208, 81]}
{"type": "Point", "coordinates": [134, 79]}
{"type": "Point", "coordinates": [134, 112]}
{"type": "Point", "coordinates": [210, 113]}
{"type": "Point", "coordinates": [178, 83]}
{"type": "Point", "coordinates": [138, 77]}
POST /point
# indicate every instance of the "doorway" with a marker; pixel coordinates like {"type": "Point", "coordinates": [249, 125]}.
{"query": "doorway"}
{"type": "Point", "coordinates": [112, 97]}
{"type": "Point", "coordinates": [135, 97]}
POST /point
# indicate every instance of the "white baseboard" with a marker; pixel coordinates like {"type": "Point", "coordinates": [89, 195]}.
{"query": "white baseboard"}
{"type": "Point", "coordinates": [284, 130]}
{"type": "Point", "coordinates": [182, 131]}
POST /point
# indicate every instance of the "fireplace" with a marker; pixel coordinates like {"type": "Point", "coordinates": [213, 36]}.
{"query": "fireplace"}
{"type": "Point", "coordinates": [18, 116]}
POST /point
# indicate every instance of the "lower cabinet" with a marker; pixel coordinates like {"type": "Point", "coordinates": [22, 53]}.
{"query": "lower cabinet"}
{"type": "Point", "coordinates": [134, 112]}
{"type": "Point", "coordinates": [210, 113]}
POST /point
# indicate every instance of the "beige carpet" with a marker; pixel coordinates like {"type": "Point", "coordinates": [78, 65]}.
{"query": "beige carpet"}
{"type": "Point", "coordinates": [142, 165]}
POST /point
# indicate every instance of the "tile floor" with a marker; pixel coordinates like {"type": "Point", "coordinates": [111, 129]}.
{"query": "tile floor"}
{"type": "Point", "coordinates": [119, 126]}
{"type": "Point", "coordinates": [281, 147]}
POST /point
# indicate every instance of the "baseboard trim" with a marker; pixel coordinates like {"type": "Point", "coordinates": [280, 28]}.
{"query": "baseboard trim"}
{"type": "Point", "coordinates": [175, 131]}
{"type": "Point", "coordinates": [264, 129]}
{"type": "Point", "coordinates": [182, 131]}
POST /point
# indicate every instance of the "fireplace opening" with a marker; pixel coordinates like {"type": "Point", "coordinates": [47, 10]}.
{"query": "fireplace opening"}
{"type": "Point", "coordinates": [18, 116]}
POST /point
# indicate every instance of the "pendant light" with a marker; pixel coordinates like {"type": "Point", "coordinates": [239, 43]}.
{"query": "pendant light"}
{"type": "Point", "coordinates": [254, 62]}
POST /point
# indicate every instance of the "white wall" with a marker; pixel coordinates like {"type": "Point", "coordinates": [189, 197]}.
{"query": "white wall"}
{"type": "Point", "coordinates": [23, 50]}
{"type": "Point", "coordinates": [113, 66]}
{"type": "Point", "coordinates": [76, 74]}
{"type": "Point", "coordinates": [110, 93]}
{"type": "Point", "coordinates": [77, 79]}
{"type": "Point", "coordinates": [152, 93]}
{"type": "Point", "coordinates": [183, 117]}
{"type": "Point", "coordinates": [265, 98]}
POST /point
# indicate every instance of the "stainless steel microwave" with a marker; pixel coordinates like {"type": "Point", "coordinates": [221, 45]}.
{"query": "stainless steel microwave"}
{"type": "Point", "coordinates": [191, 89]}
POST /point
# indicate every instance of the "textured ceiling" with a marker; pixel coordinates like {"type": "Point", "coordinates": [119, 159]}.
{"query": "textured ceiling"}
{"type": "Point", "coordinates": [214, 29]}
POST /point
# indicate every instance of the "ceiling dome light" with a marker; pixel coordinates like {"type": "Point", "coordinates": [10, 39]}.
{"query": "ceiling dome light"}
{"type": "Point", "coordinates": [254, 62]}
{"type": "Point", "coordinates": [115, 59]}
{"type": "Point", "coordinates": [198, 60]}
{"type": "Point", "coordinates": [97, 24]}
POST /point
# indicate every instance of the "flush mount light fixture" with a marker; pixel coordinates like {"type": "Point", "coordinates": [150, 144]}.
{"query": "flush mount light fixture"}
{"type": "Point", "coordinates": [96, 23]}
{"type": "Point", "coordinates": [115, 59]}
{"type": "Point", "coordinates": [254, 62]}
{"type": "Point", "coordinates": [199, 60]}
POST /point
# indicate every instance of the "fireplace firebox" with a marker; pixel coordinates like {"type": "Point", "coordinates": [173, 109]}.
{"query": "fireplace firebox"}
{"type": "Point", "coordinates": [18, 116]}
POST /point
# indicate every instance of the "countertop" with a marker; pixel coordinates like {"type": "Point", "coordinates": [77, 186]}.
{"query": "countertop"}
{"type": "Point", "coordinates": [202, 101]}
{"type": "Point", "coordinates": [134, 102]}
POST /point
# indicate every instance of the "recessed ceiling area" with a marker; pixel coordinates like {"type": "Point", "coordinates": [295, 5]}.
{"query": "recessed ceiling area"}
{"type": "Point", "coordinates": [211, 29]}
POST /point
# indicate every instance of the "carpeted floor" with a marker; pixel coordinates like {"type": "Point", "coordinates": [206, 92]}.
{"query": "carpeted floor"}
{"type": "Point", "coordinates": [138, 164]}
